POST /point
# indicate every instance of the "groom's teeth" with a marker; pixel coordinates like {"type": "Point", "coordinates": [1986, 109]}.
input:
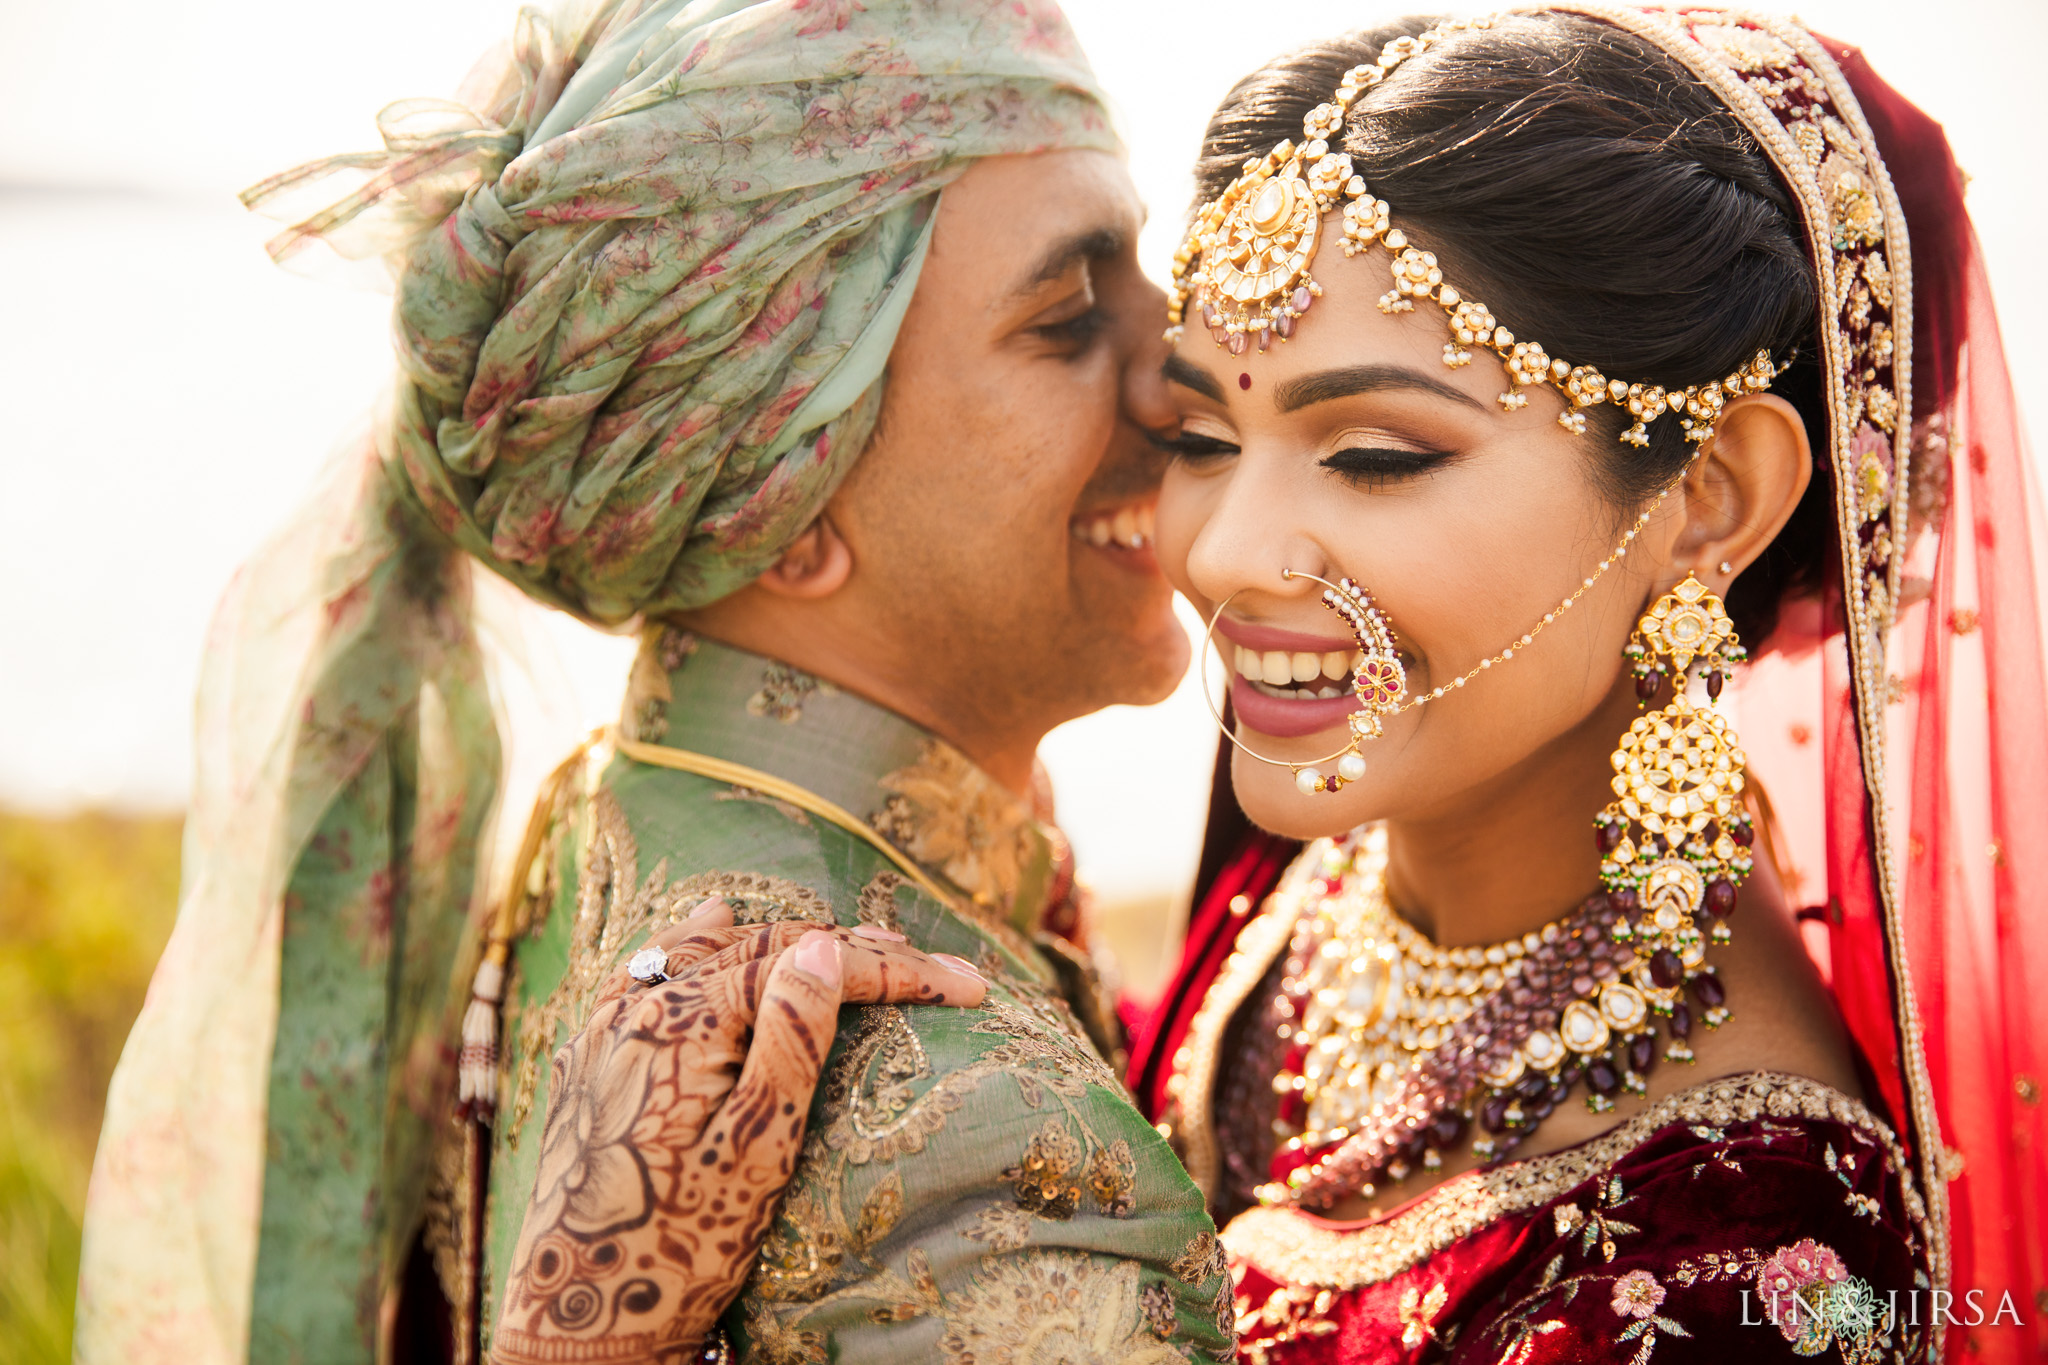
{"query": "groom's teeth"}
{"type": "Point", "coordinates": [1336, 665]}
{"type": "Point", "coordinates": [1127, 527]}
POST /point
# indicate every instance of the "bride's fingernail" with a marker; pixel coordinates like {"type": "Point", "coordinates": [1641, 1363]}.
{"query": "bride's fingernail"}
{"type": "Point", "coordinates": [959, 964]}
{"type": "Point", "coordinates": [876, 931]}
{"type": "Point", "coordinates": [715, 903]}
{"type": "Point", "coordinates": [817, 954]}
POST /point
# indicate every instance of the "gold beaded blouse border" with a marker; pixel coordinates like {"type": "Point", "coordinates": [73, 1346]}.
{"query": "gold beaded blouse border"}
{"type": "Point", "coordinates": [1246, 261]}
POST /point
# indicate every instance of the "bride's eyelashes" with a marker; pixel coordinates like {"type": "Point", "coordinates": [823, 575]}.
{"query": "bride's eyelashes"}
{"type": "Point", "coordinates": [1360, 466]}
{"type": "Point", "coordinates": [1191, 447]}
{"type": "Point", "coordinates": [1378, 466]}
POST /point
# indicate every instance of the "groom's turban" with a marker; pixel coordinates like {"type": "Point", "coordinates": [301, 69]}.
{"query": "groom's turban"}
{"type": "Point", "coordinates": [645, 300]}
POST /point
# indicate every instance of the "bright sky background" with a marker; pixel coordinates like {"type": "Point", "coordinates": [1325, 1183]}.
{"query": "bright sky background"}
{"type": "Point", "coordinates": [168, 394]}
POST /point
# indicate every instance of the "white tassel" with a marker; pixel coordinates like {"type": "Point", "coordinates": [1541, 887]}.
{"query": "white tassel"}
{"type": "Point", "coordinates": [477, 1067]}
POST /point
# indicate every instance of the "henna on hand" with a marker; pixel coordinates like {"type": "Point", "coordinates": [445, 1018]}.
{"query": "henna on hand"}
{"type": "Point", "coordinates": [675, 1119]}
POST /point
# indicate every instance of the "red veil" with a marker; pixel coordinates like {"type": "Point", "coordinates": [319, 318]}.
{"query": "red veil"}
{"type": "Point", "coordinates": [1900, 724]}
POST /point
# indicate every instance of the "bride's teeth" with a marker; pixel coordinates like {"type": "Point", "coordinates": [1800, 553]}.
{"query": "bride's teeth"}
{"type": "Point", "coordinates": [1307, 667]}
{"type": "Point", "coordinates": [1279, 668]}
{"type": "Point", "coordinates": [1336, 665]}
{"type": "Point", "coordinates": [1248, 665]}
{"type": "Point", "coordinates": [1357, 657]}
{"type": "Point", "coordinates": [1330, 693]}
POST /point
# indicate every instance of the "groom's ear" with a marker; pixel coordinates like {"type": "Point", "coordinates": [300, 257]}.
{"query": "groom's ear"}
{"type": "Point", "coordinates": [816, 564]}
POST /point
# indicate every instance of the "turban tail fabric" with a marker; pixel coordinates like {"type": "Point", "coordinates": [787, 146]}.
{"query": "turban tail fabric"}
{"type": "Point", "coordinates": [648, 275]}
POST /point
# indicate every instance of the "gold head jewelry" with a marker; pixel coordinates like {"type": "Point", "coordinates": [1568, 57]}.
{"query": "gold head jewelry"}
{"type": "Point", "coordinates": [1246, 260]}
{"type": "Point", "coordinates": [1675, 841]}
{"type": "Point", "coordinates": [1380, 681]}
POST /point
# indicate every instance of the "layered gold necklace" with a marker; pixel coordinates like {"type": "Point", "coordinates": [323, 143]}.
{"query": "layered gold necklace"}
{"type": "Point", "coordinates": [1399, 1046]}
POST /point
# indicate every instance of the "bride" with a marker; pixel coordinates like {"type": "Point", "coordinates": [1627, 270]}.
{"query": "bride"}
{"type": "Point", "coordinates": [1539, 377]}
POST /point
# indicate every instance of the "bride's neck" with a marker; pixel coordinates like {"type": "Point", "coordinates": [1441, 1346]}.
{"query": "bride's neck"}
{"type": "Point", "coordinates": [1517, 854]}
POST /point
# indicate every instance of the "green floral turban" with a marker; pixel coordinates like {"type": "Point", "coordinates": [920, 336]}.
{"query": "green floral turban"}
{"type": "Point", "coordinates": [648, 275]}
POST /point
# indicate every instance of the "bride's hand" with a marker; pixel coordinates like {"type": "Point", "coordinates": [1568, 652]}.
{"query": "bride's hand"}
{"type": "Point", "coordinates": [669, 1137]}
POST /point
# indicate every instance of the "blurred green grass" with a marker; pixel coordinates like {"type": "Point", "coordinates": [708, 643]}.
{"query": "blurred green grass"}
{"type": "Point", "coordinates": [86, 902]}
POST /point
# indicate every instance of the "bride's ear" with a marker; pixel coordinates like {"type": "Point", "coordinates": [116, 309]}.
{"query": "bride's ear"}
{"type": "Point", "coordinates": [1745, 486]}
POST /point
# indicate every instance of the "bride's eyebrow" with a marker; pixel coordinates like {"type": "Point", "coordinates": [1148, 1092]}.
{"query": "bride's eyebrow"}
{"type": "Point", "coordinates": [1352, 380]}
{"type": "Point", "coordinates": [1186, 373]}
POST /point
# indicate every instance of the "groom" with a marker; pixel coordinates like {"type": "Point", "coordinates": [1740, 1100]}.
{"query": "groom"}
{"type": "Point", "coordinates": [851, 737]}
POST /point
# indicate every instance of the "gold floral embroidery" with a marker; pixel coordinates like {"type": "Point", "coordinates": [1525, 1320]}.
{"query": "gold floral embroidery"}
{"type": "Point", "coordinates": [1417, 1310]}
{"type": "Point", "coordinates": [1289, 1313]}
{"type": "Point", "coordinates": [948, 814]}
{"type": "Point", "coordinates": [1155, 1301]}
{"type": "Point", "coordinates": [869, 1110]}
{"type": "Point", "coordinates": [1745, 49]}
{"type": "Point", "coordinates": [1003, 1227]}
{"type": "Point", "coordinates": [1201, 1259]}
{"type": "Point", "coordinates": [1293, 1250]}
{"type": "Point", "coordinates": [1112, 1178]}
{"type": "Point", "coordinates": [783, 692]}
{"type": "Point", "coordinates": [805, 1247]}
{"type": "Point", "coordinates": [757, 898]}
{"type": "Point", "coordinates": [777, 1340]}
{"type": "Point", "coordinates": [876, 904]}
{"type": "Point", "coordinates": [1049, 1307]}
{"type": "Point", "coordinates": [614, 909]}
{"type": "Point", "coordinates": [1046, 1179]}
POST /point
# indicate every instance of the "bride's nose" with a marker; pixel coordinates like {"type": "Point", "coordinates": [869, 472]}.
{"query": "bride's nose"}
{"type": "Point", "coordinates": [1246, 545]}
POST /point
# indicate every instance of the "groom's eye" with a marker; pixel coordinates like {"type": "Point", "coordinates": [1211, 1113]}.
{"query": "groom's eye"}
{"type": "Point", "coordinates": [1378, 466]}
{"type": "Point", "coordinates": [1075, 334]}
{"type": "Point", "coordinates": [1193, 447]}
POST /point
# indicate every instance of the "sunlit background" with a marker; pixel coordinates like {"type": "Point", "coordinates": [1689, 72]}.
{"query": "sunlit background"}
{"type": "Point", "coordinates": [168, 395]}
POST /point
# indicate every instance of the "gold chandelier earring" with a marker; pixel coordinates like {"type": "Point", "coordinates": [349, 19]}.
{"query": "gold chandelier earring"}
{"type": "Point", "coordinates": [1675, 841]}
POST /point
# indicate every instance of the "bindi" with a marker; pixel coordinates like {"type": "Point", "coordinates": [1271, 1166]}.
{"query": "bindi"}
{"type": "Point", "coordinates": [1244, 381]}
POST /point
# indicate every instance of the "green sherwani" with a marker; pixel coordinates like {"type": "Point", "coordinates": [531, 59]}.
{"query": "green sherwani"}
{"type": "Point", "coordinates": [976, 1184]}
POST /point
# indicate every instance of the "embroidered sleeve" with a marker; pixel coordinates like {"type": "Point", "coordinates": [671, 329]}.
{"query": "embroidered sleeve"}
{"type": "Point", "coordinates": [977, 1186]}
{"type": "Point", "coordinates": [1771, 1244]}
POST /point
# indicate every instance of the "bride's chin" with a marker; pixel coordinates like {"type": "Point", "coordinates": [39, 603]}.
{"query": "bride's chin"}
{"type": "Point", "coordinates": [1272, 801]}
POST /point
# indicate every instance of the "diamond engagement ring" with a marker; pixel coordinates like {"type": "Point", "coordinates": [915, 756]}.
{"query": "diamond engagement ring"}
{"type": "Point", "coordinates": [649, 967]}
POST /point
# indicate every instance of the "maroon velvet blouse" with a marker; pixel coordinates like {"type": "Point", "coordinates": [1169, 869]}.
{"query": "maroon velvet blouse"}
{"type": "Point", "coordinates": [1748, 1218]}
{"type": "Point", "coordinates": [1755, 1217]}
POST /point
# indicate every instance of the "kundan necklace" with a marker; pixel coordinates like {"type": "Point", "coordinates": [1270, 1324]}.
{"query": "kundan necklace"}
{"type": "Point", "coordinates": [1400, 1047]}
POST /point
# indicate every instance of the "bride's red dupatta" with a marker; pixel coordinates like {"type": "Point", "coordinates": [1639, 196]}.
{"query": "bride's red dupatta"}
{"type": "Point", "coordinates": [1930, 778]}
